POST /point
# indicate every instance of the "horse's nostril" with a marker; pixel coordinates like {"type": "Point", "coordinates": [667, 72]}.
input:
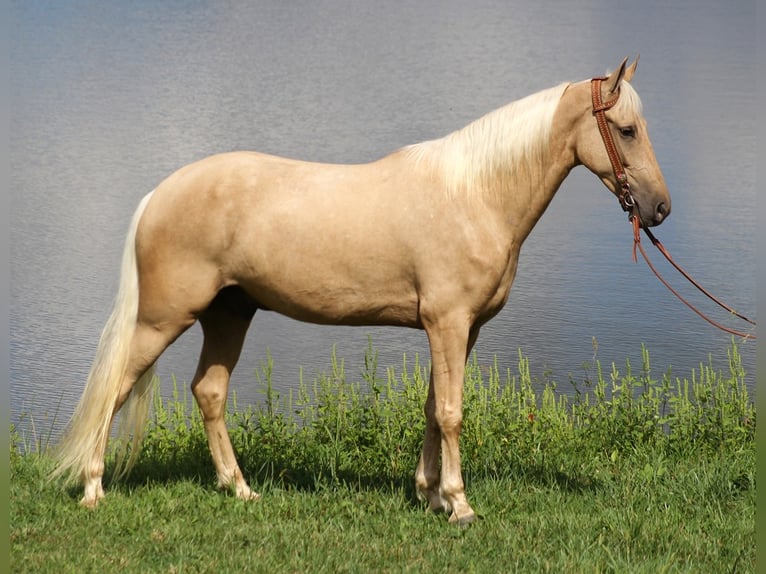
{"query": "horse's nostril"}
{"type": "Point", "coordinates": [662, 210]}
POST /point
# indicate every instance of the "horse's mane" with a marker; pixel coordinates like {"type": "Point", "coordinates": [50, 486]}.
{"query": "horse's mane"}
{"type": "Point", "coordinates": [505, 143]}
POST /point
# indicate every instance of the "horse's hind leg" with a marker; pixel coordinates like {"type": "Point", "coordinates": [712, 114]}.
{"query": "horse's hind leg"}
{"type": "Point", "coordinates": [224, 325]}
{"type": "Point", "coordinates": [147, 344]}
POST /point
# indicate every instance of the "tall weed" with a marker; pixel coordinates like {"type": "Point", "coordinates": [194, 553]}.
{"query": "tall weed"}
{"type": "Point", "coordinates": [369, 428]}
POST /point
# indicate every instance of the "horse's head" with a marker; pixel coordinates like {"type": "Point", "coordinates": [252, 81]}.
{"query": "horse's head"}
{"type": "Point", "coordinates": [613, 142]}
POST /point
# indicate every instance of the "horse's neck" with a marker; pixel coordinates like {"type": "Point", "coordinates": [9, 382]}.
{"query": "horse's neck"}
{"type": "Point", "coordinates": [505, 165]}
{"type": "Point", "coordinates": [524, 198]}
{"type": "Point", "coordinates": [513, 159]}
{"type": "Point", "coordinates": [532, 188]}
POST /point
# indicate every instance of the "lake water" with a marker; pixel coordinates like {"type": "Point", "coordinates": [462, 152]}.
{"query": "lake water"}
{"type": "Point", "coordinates": [107, 98]}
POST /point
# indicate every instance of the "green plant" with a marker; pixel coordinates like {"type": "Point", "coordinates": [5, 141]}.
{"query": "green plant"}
{"type": "Point", "coordinates": [626, 473]}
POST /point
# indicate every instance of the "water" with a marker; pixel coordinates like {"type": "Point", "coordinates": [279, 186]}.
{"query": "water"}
{"type": "Point", "coordinates": [107, 98]}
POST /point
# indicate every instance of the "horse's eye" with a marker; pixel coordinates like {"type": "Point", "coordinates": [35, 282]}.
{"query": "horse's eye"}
{"type": "Point", "coordinates": [628, 132]}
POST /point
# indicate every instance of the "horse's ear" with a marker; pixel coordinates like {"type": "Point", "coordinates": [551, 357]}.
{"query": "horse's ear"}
{"type": "Point", "coordinates": [614, 79]}
{"type": "Point", "coordinates": [631, 70]}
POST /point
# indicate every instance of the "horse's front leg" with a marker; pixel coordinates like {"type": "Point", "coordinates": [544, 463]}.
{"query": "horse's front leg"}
{"type": "Point", "coordinates": [450, 341]}
{"type": "Point", "coordinates": [427, 473]}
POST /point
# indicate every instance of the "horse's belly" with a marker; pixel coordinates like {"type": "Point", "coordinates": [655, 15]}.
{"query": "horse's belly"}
{"type": "Point", "coordinates": [322, 298]}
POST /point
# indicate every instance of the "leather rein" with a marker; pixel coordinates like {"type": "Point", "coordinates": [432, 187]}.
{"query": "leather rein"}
{"type": "Point", "coordinates": [628, 203]}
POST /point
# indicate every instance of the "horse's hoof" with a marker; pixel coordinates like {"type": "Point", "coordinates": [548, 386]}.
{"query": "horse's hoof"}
{"type": "Point", "coordinates": [89, 502]}
{"type": "Point", "coordinates": [251, 496]}
{"type": "Point", "coordinates": [244, 493]}
{"type": "Point", "coordinates": [436, 503]}
{"type": "Point", "coordinates": [464, 520]}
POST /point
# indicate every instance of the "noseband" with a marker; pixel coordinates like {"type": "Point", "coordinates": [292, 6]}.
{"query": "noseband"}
{"type": "Point", "coordinates": [599, 110]}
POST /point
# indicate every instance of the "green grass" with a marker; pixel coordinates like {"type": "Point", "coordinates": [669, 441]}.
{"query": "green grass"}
{"type": "Point", "coordinates": [627, 473]}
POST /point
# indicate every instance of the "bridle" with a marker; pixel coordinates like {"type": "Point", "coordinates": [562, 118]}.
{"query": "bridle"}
{"type": "Point", "coordinates": [599, 111]}
{"type": "Point", "coordinates": [628, 203]}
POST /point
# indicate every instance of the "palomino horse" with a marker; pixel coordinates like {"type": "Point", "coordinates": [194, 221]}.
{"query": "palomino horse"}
{"type": "Point", "coordinates": [426, 237]}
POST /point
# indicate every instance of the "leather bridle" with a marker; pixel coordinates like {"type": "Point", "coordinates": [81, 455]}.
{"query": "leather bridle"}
{"type": "Point", "coordinates": [600, 107]}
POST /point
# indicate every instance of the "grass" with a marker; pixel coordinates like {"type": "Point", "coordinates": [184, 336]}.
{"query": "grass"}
{"type": "Point", "coordinates": [627, 473]}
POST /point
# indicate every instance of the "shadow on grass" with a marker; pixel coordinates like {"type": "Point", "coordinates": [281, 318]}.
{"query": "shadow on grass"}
{"type": "Point", "coordinates": [198, 469]}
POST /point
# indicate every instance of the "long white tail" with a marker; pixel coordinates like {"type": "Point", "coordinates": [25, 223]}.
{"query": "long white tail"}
{"type": "Point", "coordinates": [79, 454]}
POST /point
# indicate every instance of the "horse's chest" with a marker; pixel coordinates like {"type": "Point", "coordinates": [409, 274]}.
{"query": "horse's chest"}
{"type": "Point", "coordinates": [498, 275]}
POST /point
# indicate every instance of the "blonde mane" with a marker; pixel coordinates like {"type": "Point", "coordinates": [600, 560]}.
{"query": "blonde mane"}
{"type": "Point", "coordinates": [490, 153]}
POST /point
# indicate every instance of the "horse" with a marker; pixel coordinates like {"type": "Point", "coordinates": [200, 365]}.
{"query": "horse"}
{"type": "Point", "coordinates": [427, 237]}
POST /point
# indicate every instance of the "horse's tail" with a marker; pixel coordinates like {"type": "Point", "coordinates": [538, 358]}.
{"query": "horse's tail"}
{"type": "Point", "coordinates": [89, 427]}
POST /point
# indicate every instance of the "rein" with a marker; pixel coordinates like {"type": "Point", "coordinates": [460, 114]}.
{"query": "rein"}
{"type": "Point", "coordinates": [656, 242]}
{"type": "Point", "coordinates": [628, 204]}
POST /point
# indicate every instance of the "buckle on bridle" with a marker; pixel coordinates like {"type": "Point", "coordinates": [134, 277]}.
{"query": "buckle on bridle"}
{"type": "Point", "coordinates": [626, 197]}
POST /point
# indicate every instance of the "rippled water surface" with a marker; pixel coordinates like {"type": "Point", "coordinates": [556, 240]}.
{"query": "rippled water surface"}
{"type": "Point", "coordinates": [108, 98]}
